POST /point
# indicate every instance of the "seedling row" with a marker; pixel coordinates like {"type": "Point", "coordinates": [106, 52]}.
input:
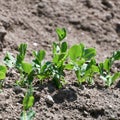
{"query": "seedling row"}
{"type": "Point", "coordinates": [78, 59]}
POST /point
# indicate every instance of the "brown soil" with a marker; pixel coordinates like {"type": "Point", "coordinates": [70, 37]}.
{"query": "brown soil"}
{"type": "Point", "coordinates": [96, 23]}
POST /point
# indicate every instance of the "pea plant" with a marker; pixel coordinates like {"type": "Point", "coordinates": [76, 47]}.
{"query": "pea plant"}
{"type": "Point", "coordinates": [28, 101]}
{"type": "Point", "coordinates": [105, 69]}
{"type": "Point", "coordinates": [24, 68]}
{"type": "Point", "coordinates": [82, 61]}
{"type": "Point", "coordinates": [3, 71]}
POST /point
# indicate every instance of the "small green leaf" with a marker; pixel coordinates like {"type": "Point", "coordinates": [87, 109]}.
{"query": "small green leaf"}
{"type": "Point", "coordinates": [27, 67]}
{"type": "Point", "coordinates": [30, 77]}
{"type": "Point", "coordinates": [89, 53]}
{"type": "Point", "coordinates": [22, 49]}
{"type": "Point", "coordinates": [115, 76]}
{"type": "Point", "coordinates": [57, 82]}
{"type": "Point", "coordinates": [64, 47]}
{"type": "Point", "coordinates": [56, 53]}
{"type": "Point", "coordinates": [82, 49]}
{"type": "Point", "coordinates": [61, 33]}
{"type": "Point", "coordinates": [28, 101]}
{"type": "Point", "coordinates": [69, 66]}
{"type": "Point", "coordinates": [9, 60]}
{"type": "Point", "coordinates": [101, 68]}
{"type": "Point", "coordinates": [27, 115]}
{"type": "Point", "coordinates": [40, 55]}
{"type": "Point", "coordinates": [116, 55]}
{"type": "Point", "coordinates": [20, 57]}
{"type": "Point", "coordinates": [2, 75]}
{"type": "Point", "coordinates": [3, 69]}
{"type": "Point", "coordinates": [107, 65]}
{"type": "Point", "coordinates": [95, 69]}
{"type": "Point", "coordinates": [75, 52]}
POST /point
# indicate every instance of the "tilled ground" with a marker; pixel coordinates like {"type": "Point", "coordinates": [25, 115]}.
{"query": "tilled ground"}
{"type": "Point", "coordinates": [96, 23]}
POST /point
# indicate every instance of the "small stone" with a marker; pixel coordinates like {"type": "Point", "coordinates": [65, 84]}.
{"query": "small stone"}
{"type": "Point", "coordinates": [49, 100]}
{"type": "Point", "coordinates": [85, 113]}
{"type": "Point", "coordinates": [41, 5]}
{"type": "Point", "coordinates": [35, 44]}
{"type": "Point", "coordinates": [110, 106]}
{"type": "Point", "coordinates": [17, 89]}
{"type": "Point", "coordinates": [107, 3]}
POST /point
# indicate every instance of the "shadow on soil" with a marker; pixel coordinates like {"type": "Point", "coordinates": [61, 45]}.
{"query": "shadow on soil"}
{"type": "Point", "coordinates": [65, 94]}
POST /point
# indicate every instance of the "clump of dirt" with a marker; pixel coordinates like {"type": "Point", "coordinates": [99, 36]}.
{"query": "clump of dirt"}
{"type": "Point", "coordinates": [96, 23]}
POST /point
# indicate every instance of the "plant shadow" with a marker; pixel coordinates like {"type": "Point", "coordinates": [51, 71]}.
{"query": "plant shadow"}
{"type": "Point", "coordinates": [65, 94]}
{"type": "Point", "coordinates": [58, 95]}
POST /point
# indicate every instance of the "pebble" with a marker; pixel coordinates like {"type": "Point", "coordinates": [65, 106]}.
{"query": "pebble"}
{"type": "Point", "coordinates": [49, 100]}
{"type": "Point", "coordinates": [35, 44]}
{"type": "Point", "coordinates": [17, 89]}
{"type": "Point", "coordinates": [107, 3]}
{"type": "Point", "coordinates": [85, 113]}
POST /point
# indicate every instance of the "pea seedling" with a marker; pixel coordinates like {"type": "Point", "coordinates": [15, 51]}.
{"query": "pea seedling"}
{"type": "Point", "coordinates": [105, 67]}
{"type": "Point", "coordinates": [3, 71]}
{"type": "Point", "coordinates": [28, 101]}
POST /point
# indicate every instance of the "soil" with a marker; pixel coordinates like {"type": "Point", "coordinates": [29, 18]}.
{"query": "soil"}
{"type": "Point", "coordinates": [96, 23]}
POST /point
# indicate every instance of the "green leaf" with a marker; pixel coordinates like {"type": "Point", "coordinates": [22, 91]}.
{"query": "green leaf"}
{"type": "Point", "coordinates": [107, 65]}
{"type": "Point", "coordinates": [75, 52]}
{"type": "Point", "coordinates": [58, 82]}
{"type": "Point", "coordinates": [22, 49]}
{"type": "Point", "coordinates": [27, 115]}
{"type": "Point", "coordinates": [2, 75]}
{"type": "Point", "coordinates": [89, 53]}
{"type": "Point", "coordinates": [30, 77]}
{"type": "Point", "coordinates": [3, 69]}
{"type": "Point", "coordinates": [115, 76]}
{"type": "Point", "coordinates": [82, 49]}
{"type": "Point", "coordinates": [63, 47]}
{"type": "Point", "coordinates": [28, 100]}
{"type": "Point", "coordinates": [27, 67]}
{"type": "Point", "coordinates": [56, 53]}
{"type": "Point", "coordinates": [69, 66]}
{"type": "Point", "coordinates": [116, 55]}
{"type": "Point", "coordinates": [21, 55]}
{"type": "Point", "coordinates": [101, 68]}
{"type": "Point", "coordinates": [95, 69]}
{"type": "Point", "coordinates": [61, 33]}
{"type": "Point", "coordinates": [80, 62]}
{"type": "Point", "coordinates": [40, 55]}
{"type": "Point", "coordinates": [9, 60]}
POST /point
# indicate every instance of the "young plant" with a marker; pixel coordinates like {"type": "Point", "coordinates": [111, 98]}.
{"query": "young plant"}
{"type": "Point", "coordinates": [13, 62]}
{"type": "Point", "coordinates": [55, 69]}
{"type": "Point", "coordinates": [24, 68]}
{"type": "Point", "coordinates": [3, 71]}
{"type": "Point", "coordinates": [28, 101]}
{"type": "Point", "coordinates": [20, 57]}
{"type": "Point", "coordinates": [105, 69]}
{"type": "Point", "coordinates": [60, 54]}
{"type": "Point", "coordinates": [27, 74]}
{"type": "Point", "coordinates": [83, 63]}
